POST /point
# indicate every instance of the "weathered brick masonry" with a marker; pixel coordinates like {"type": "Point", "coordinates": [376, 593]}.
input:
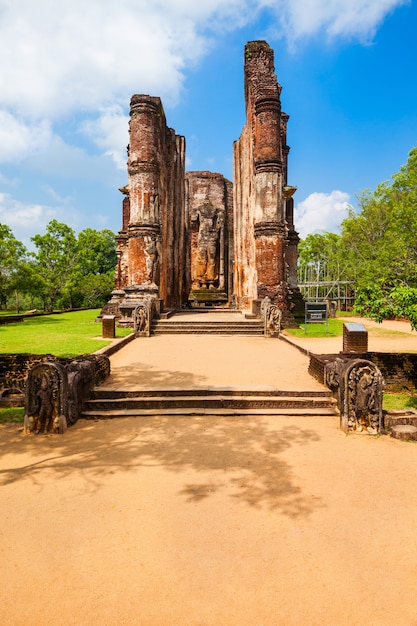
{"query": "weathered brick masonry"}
{"type": "Point", "coordinates": [265, 240]}
{"type": "Point", "coordinates": [196, 238]}
{"type": "Point", "coordinates": [399, 370]}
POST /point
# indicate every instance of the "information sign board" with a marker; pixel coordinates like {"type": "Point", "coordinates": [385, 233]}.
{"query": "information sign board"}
{"type": "Point", "coordinates": [316, 313]}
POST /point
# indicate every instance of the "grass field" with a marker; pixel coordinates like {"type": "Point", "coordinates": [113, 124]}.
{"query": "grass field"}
{"type": "Point", "coordinates": [13, 415]}
{"type": "Point", "coordinates": [64, 335]}
{"type": "Point", "coordinates": [396, 401]}
{"type": "Point", "coordinates": [335, 329]}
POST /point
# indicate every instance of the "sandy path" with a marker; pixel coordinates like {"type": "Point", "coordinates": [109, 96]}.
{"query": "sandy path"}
{"type": "Point", "coordinates": [204, 360]}
{"type": "Point", "coordinates": [198, 521]}
{"type": "Point", "coordinates": [214, 522]}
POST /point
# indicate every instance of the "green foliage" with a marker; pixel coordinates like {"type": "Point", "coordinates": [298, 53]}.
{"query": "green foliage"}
{"type": "Point", "coordinates": [12, 415]}
{"type": "Point", "coordinates": [70, 272]}
{"type": "Point", "coordinates": [13, 256]}
{"type": "Point", "coordinates": [96, 252]}
{"type": "Point", "coordinates": [399, 401]}
{"type": "Point", "coordinates": [55, 258]}
{"type": "Point", "coordinates": [377, 248]}
{"type": "Point", "coordinates": [376, 251]}
{"type": "Point", "coordinates": [65, 335]}
{"type": "Point", "coordinates": [335, 329]}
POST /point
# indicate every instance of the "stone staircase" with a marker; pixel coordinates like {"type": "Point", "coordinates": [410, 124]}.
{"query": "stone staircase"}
{"type": "Point", "coordinates": [112, 403]}
{"type": "Point", "coordinates": [171, 327]}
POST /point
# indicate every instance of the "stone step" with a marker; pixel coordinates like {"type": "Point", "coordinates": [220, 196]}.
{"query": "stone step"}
{"type": "Point", "coordinates": [216, 402]}
{"type": "Point", "coordinates": [110, 392]}
{"type": "Point", "coordinates": [244, 327]}
{"type": "Point", "coordinates": [399, 418]}
{"type": "Point", "coordinates": [114, 413]}
{"type": "Point", "coordinates": [406, 432]}
{"type": "Point", "coordinates": [220, 401]}
{"type": "Point", "coordinates": [217, 331]}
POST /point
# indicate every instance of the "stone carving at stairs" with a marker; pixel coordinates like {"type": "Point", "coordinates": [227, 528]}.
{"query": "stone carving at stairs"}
{"type": "Point", "coordinates": [56, 393]}
{"type": "Point", "coordinates": [272, 317]}
{"type": "Point", "coordinates": [142, 318]}
{"type": "Point", "coordinates": [46, 399]}
{"type": "Point", "coordinates": [80, 386]}
{"type": "Point", "coordinates": [359, 385]}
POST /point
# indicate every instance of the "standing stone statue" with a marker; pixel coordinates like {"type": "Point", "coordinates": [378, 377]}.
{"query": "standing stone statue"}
{"type": "Point", "coordinates": [151, 260]}
{"type": "Point", "coordinates": [206, 264]}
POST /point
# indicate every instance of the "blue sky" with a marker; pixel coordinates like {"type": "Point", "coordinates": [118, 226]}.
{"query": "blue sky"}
{"type": "Point", "coordinates": [69, 68]}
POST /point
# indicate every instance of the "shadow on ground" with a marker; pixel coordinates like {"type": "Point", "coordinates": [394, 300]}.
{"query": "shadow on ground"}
{"type": "Point", "coordinates": [243, 456]}
{"type": "Point", "coordinates": [141, 374]}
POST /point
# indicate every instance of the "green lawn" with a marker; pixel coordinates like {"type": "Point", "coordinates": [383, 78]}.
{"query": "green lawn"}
{"type": "Point", "coordinates": [335, 329]}
{"type": "Point", "coordinates": [64, 335]}
{"type": "Point", "coordinates": [13, 415]}
{"type": "Point", "coordinates": [397, 401]}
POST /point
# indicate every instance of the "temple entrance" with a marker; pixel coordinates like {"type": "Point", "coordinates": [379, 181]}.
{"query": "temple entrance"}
{"type": "Point", "coordinates": [195, 239]}
{"type": "Point", "coordinates": [209, 199]}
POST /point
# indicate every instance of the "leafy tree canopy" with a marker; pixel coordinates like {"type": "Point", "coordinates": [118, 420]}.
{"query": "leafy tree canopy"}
{"type": "Point", "coordinates": [379, 245]}
{"type": "Point", "coordinates": [12, 258]}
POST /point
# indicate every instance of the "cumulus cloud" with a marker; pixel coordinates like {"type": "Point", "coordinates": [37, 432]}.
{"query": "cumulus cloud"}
{"type": "Point", "coordinates": [25, 218]}
{"type": "Point", "coordinates": [66, 58]}
{"type": "Point", "coordinates": [358, 19]}
{"type": "Point", "coordinates": [321, 212]}
{"type": "Point", "coordinates": [59, 56]}
{"type": "Point", "coordinates": [107, 132]}
{"type": "Point", "coordinates": [18, 139]}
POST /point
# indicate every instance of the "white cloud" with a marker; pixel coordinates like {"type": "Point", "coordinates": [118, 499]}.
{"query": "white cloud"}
{"type": "Point", "coordinates": [72, 162]}
{"type": "Point", "coordinates": [110, 132]}
{"type": "Point", "coordinates": [321, 212]}
{"type": "Point", "coordinates": [24, 219]}
{"type": "Point", "coordinates": [19, 138]}
{"type": "Point", "coordinates": [65, 60]}
{"type": "Point", "coordinates": [61, 56]}
{"type": "Point", "coordinates": [358, 19]}
{"type": "Point", "coordinates": [58, 57]}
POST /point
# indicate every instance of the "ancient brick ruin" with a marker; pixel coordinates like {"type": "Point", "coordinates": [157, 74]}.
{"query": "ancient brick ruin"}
{"type": "Point", "coordinates": [196, 239]}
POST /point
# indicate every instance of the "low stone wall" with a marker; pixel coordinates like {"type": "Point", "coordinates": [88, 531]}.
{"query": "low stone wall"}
{"type": "Point", "coordinates": [399, 370]}
{"type": "Point", "coordinates": [10, 319]}
{"type": "Point", "coordinates": [14, 370]}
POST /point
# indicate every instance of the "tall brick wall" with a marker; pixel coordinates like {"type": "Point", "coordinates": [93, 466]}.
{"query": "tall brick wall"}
{"type": "Point", "coordinates": [265, 240]}
{"type": "Point", "coordinates": [170, 220]}
{"type": "Point", "coordinates": [153, 207]}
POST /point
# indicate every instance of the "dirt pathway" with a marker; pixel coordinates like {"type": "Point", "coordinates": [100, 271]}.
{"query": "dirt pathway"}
{"type": "Point", "coordinates": [198, 521]}
{"type": "Point", "coordinates": [215, 522]}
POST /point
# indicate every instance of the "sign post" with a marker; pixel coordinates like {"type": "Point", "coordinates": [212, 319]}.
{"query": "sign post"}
{"type": "Point", "coordinates": [316, 313]}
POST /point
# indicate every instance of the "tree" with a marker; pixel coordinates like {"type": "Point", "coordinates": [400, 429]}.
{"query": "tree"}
{"type": "Point", "coordinates": [96, 251]}
{"type": "Point", "coordinates": [380, 247]}
{"type": "Point", "coordinates": [320, 252]}
{"type": "Point", "coordinates": [12, 258]}
{"type": "Point", "coordinates": [56, 257]}
{"type": "Point", "coordinates": [92, 278]}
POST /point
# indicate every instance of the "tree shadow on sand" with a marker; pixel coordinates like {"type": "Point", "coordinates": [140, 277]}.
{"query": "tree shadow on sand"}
{"type": "Point", "coordinates": [143, 375]}
{"type": "Point", "coordinates": [243, 455]}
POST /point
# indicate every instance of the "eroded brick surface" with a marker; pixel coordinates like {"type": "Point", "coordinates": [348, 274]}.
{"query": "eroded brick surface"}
{"type": "Point", "coordinates": [265, 240]}
{"type": "Point", "coordinates": [197, 237]}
